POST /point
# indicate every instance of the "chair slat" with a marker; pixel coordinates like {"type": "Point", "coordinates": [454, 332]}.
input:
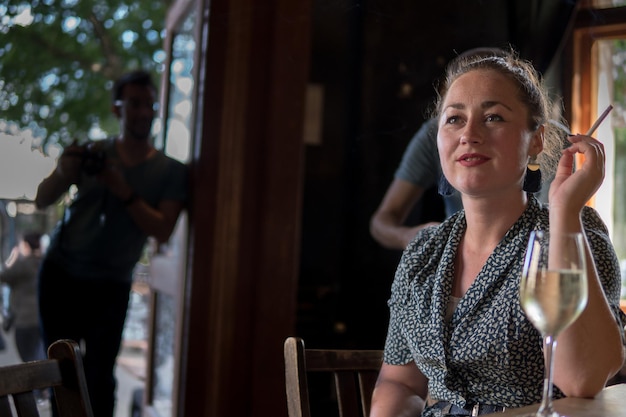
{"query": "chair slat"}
{"type": "Point", "coordinates": [28, 376]}
{"type": "Point", "coordinates": [367, 382]}
{"type": "Point", "coordinates": [25, 404]}
{"type": "Point", "coordinates": [295, 379]}
{"type": "Point", "coordinates": [72, 397]}
{"type": "Point", "coordinates": [318, 360]}
{"type": "Point", "coordinates": [63, 371]}
{"type": "Point", "coordinates": [347, 394]}
{"type": "Point", "coordinates": [5, 406]}
{"type": "Point", "coordinates": [355, 373]}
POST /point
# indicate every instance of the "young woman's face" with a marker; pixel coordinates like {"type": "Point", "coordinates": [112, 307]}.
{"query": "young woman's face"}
{"type": "Point", "coordinates": [484, 139]}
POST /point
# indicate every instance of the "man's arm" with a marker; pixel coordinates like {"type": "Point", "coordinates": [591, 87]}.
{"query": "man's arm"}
{"type": "Point", "coordinates": [387, 223]}
{"type": "Point", "coordinates": [159, 221]}
{"type": "Point", "coordinates": [50, 189]}
{"type": "Point", "coordinates": [66, 173]}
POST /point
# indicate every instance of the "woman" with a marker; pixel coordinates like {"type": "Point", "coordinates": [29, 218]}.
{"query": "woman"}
{"type": "Point", "coordinates": [458, 340]}
{"type": "Point", "coordinates": [21, 277]}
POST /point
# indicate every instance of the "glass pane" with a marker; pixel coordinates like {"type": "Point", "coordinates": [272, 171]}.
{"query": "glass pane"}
{"type": "Point", "coordinates": [163, 349]}
{"type": "Point", "coordinates": [178, 128]}
{"type": "Point", "coordinates": [610, 199]}
{"type": "Point", "coordinates": [607, 4]}
{"type": "Point", "coordinates": [177, 142]}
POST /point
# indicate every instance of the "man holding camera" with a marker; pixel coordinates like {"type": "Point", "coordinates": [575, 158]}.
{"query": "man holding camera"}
{"type": "Point", "coordinates": [126, 190]}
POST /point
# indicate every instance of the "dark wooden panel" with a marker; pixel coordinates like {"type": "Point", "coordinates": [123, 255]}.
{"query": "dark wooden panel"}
{"type": "Point", "coordinates": [245, 213]}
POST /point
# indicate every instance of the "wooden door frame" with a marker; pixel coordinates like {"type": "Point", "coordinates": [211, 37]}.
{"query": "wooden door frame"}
{"type": "Point", "coordinates": [244, 236]}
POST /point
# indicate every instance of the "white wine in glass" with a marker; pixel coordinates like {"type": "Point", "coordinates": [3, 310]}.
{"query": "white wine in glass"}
{"type": "Point", "coordinates": [553, 293]}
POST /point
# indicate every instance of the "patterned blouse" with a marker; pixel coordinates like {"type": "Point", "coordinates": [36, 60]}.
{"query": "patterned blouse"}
{"type": "Point", "coordinates": [487, 352]}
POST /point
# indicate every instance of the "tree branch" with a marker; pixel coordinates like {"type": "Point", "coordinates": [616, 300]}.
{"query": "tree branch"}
{"type": "Point", "coordinates": [113, 65]}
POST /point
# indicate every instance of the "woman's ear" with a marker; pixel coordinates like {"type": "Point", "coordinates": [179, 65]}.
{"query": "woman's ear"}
{"type": "Point", "coordinates": [536, 142]}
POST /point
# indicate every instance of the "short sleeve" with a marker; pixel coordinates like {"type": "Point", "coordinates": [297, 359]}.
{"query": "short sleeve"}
{"type": "Point", "coordinates": [397, 350]}
{"type": "Point", "coordinates": [420, 163]}
{"type": "Point", "coordinates": [176, 184]}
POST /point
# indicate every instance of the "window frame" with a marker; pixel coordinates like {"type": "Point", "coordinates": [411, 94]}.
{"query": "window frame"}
{"type": "Point", "coordinates": [581, 68]}
{"type": "Point", "coordinates": [591, 25]}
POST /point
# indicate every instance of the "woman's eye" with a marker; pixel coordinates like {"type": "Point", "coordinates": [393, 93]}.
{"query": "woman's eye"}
{"type": "Point", "coordinates": [452, 119]}
{"type": "Point", "coordinates": [493, 118]}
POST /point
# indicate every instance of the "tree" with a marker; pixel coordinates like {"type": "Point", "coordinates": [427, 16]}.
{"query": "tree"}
{"type": "Point", "coordinates": [58, 60]}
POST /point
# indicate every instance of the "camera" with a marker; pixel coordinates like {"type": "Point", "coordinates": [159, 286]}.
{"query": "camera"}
{"type": "Point", "coordinates": [93, 159]}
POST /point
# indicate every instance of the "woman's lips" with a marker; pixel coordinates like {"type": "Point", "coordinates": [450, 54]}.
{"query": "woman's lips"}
{"type": "Point", "coordinates": [472, 159]}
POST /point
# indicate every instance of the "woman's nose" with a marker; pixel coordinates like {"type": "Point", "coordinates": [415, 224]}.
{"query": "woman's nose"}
{"type": "Point", "coordinates": [471, 133]}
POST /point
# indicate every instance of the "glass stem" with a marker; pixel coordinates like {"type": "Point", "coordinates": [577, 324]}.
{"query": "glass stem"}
{"type": "Point", "coordinates": [545, 410]}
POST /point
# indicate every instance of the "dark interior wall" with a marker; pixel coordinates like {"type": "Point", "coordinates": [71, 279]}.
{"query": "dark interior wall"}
{"type": "Point", "coordinates": [377, 61]}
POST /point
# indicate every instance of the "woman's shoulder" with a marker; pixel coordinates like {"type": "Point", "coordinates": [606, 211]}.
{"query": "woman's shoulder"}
{"type": "Point", "coordinates": [420, 259]}
{"type": "Point", "coordinates": [432, 236]}
{"type": "Point", "coordinates": [430, 242]}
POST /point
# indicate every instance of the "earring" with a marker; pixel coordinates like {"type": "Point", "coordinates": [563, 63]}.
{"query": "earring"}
{"type": "Point", "coordinates": [532, 180]}
{"type": "Point", "coordinates": [445, 189]}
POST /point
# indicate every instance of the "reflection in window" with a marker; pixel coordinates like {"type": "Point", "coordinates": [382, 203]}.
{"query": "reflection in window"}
{"type": "Point", "coordinates": [178, 136]}
{"type": "Point", "coordinates": [163, 350]}
{"type": "Point", "coordinates": [177, 144]}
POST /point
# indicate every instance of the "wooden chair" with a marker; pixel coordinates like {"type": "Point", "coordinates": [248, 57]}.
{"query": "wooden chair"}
{"type": "Point", "coordinates": [355, 373]}
{"type": "Point", "coordinates": [62, 371]}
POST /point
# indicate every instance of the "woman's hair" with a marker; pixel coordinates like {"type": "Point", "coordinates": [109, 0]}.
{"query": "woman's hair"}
{"type": "Point", "coordinates": [531, 92]}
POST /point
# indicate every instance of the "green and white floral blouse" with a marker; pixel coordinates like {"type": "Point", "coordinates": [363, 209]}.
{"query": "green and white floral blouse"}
{"type": "Point", "coordinates": [488, 351]}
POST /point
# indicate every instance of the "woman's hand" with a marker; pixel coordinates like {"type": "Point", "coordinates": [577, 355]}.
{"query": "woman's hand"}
{"type": "Point", "coordinates": [574, 185]}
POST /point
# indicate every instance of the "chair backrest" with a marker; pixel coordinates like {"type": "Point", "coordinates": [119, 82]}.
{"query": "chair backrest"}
{"type": "Point", "coordinates": [62, 371]}
{"type": "Point", "coordinates": [355, 373]}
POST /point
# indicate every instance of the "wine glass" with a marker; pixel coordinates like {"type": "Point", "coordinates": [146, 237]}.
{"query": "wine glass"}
{"type": "Point", "coordinates": [553, 293]}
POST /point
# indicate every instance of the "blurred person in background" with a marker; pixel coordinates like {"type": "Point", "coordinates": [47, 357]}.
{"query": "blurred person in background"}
{"type": "Point", "coordinates": [21, 277]}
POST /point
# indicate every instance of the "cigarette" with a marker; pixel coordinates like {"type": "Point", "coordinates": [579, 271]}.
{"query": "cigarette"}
{"type": "Point", "coordinates": [600, 119]}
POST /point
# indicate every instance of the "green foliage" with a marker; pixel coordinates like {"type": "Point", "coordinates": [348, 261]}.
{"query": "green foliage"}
{"type": "Point", "coordinates": [619, 203]}
{"type": "Point", "coordinates": [619, 77]}
{"type": "Point", "coordinates": [58, 60]}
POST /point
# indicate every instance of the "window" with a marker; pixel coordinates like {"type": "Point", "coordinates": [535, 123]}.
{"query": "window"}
{"type": "Point", "coordinates": [599, 79]}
